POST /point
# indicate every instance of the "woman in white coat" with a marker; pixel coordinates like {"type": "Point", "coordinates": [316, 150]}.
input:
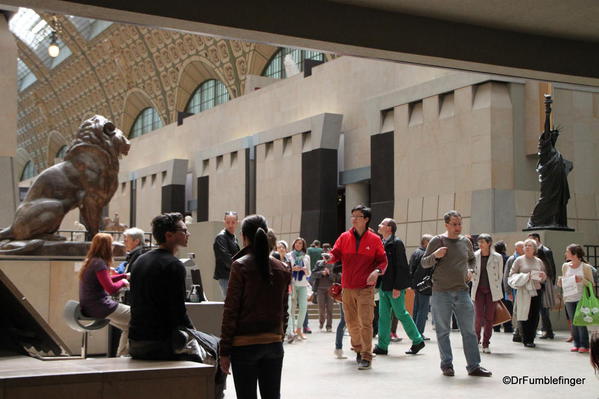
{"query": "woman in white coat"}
{"type": "Point", "coordinates": [486, 288]}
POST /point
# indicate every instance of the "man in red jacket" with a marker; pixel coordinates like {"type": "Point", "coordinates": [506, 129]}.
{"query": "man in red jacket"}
{"type": "Point", "coordinates": [363, 257]}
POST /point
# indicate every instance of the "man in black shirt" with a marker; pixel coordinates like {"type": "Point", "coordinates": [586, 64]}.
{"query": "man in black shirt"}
{"type": "Point", "coordinates": [158, 289]}
{"type": "Point", "coordinates": [160, 328]}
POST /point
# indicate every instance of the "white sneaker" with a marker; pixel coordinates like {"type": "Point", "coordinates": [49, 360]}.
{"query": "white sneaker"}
{"type": "Point", "coordinates": [486, 350]}
{"type": "Point", "coordinates": [339, 354]}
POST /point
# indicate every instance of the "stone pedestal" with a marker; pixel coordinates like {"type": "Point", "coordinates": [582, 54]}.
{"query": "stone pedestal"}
{"type": "Point", "coordinates": [48, 283]}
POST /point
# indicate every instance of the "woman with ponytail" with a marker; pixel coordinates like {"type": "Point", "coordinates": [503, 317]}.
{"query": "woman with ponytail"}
{"type": "Point", "coordinates": [255, 315]}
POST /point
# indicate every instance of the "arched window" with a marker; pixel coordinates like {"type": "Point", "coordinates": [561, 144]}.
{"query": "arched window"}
{"type": "Point", "coordinates": [209, 94]}
{"type": "Point", "coordinates": [61, 153]}
{"type": "Point", "coordinates": [147, 120]}
{"type": "Point", "coordinates": [28, 171]}
{"type": "Point", "coordinates": [276, 67]}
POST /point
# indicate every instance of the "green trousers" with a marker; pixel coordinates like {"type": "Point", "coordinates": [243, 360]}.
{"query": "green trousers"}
{"type": "Point", "coordinates": [386, 303]}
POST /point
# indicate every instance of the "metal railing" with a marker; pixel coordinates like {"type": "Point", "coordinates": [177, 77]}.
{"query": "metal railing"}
{"type": "Point", "coordinates": [79, 235]}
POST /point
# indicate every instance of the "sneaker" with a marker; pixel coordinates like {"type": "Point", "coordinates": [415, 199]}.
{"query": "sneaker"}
{"type": "Point", "coordinates": [583, 350]}
{"type": "Point", "coordinates": [329, 329]}
{"type": "Point", "coordinates": [358, 357]}
{"type": "Point", "coordinates": [414, 349]}
{"type": "Point", "coordinates": [307, 330]}
{"type": "Point", "coordinates": [574, 349]}
{"type": "Point", "coordinates": [395, 338]}
{"type": "Point", "coordinates": [530, 345]}
{"type": "Point", "coordinates": [290, 338]}
{"type": "Point", "coordinates": [448, 372]}
{"type": "Point", "coordinates": [364, 364]}
{"type": "Point", "coordinates": [380, 351]}
{"type": "Point", "coordinates": [339, 354]}
{"type": "Point", "coordinates": [486, 349]}
{"type": "Point", "coordinates": [547, 335]}
{"type": "Point", "coordinates": [480, 372]}
{"type": "Point", "coordinates": [426, 338]}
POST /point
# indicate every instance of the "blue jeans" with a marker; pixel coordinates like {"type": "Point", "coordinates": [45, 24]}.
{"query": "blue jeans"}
{"type": "Point", "coordinates": [223, 283]}
{"type": "Point", "coordinates": [580, 333]}
{"type": "Point", "coordinates": [340, 330]}
{"type": "Point", "coordinates": [458, 302]}
{"type": "Point", "coordinates": [421, 304]}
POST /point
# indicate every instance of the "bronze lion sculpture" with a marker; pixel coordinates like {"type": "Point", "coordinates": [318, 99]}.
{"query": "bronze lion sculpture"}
{"type": "Point", "coordinates": [86, 179]}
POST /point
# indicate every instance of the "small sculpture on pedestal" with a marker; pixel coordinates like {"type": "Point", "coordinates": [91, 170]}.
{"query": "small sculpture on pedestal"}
{"type": "Point", "coordinates": [86, 179]}
{"type": "Point", "coordinates": [550, 213]}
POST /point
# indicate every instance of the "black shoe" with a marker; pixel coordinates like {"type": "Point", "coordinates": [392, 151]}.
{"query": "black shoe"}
{"type": "Point", "coordinates": [529, 345]}
{"type": "Point", "coordinates": [508, 330]}
{"type": "Point", "coordinates": [497, 329]}
{"type": "Point", "coordinates": [380, 351]}
{"type": "Point", "coordinates": [307, 330]}
{"type": "Point", "coordinates": [358, 358]}
{"type": "Point", "coordinates": [517, 338]}
{"type": "Point", "coordinates": [414, 349]}
{"type": "Point", "coordinates": [480, 372]}
{"type": "Point", "coordinates": [426, 338]}
{"type": "Point", "coordinates": [364, 364]}
{"type": "Point", "coordinates": [547, 335]}
{"type": "Point", "coordinates": [448, 372]}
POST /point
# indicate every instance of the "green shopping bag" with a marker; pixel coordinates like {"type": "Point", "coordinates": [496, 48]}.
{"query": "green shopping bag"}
{"type": "Point", "coordinates": [587, 310]}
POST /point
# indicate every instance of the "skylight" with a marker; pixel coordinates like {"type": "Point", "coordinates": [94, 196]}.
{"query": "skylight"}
{"type": "Point", "coordinates": [28, 26]}
{"type": "Point", "coordinates": [89, 28]}
{"type": "Point", "coordinates": [25, 77]}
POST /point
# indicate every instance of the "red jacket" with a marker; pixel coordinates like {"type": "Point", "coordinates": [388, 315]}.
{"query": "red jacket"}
{"type": "Point", "coordinates": [357, 265]}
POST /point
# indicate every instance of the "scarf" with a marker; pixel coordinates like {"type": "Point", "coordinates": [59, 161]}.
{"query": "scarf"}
{"type": "Point", "coordinates": [298, 260]}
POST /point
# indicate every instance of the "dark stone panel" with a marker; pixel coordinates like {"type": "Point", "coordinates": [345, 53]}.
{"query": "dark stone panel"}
{"type": "Point", "coordinates": [381, 177]}
{"type": "Point", "coordinates": [319, 195]}
{"type": "Point", "coordinates": [173, 198]}
{"type": "Point", "coordinates": [203, 197]}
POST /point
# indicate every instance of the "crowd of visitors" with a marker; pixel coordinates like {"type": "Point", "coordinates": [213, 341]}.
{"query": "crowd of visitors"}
{"type": "Point", "coordinates": [267, 284]}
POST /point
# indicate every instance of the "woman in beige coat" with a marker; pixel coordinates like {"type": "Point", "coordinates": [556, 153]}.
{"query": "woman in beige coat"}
{"type": "Point", "coordinates": [486, 288]}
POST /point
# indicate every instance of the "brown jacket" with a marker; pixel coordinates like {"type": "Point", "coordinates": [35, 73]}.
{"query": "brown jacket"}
{"type": "Point", "coordinates": [254, 306]}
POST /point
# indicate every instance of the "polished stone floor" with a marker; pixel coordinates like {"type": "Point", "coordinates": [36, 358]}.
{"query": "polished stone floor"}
{"type": "Point", "coordinates": [311, 371]}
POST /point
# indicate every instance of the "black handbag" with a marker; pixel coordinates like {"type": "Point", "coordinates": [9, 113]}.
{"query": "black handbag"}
{"type": "Point", "coordinates": [424, 278]}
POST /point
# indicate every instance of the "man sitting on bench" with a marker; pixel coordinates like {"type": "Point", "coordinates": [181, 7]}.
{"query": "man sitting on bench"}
{"type": "Point", "coordinates": [160, 328]}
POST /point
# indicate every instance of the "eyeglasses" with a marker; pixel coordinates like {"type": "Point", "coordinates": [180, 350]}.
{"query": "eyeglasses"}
{"type": "Point", "coordinates": [185, 231]}
{"type": "Point", "coordinates": [356, 216]}
{"type": "Point", "coordinates": [454, 224]}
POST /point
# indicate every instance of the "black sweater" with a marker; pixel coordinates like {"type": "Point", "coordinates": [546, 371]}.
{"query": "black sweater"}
{"type": "Point", "coordinates": [157, 296]}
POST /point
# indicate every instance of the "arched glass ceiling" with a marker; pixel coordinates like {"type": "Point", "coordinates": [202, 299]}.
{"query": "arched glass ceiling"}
{"type": "Point", "coordinates": [25, 77]}
{"type": "Point", "coordinates": [89, 28]}
{"type": "Point", "coordinates": [28, 26]}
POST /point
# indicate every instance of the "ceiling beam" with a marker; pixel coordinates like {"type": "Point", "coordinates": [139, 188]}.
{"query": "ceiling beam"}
{"type": "Point", "coordinates": [354, 30]}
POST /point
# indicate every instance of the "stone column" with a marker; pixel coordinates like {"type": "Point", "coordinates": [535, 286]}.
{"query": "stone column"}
{"type": "Point", "coordinates": [355, 194]}
{"type": "Point", "coordinates": [8, 123]}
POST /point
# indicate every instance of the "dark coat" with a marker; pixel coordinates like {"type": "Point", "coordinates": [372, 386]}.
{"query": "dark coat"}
{"type": "Point", "coordinates": [225, 247]}
{"type": "Point", "coordinates": [546, 256]}
{"type": "Point", "coordinates": [397, 274]}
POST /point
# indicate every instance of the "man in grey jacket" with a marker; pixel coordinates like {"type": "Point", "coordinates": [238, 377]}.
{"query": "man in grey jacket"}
{"type": "Point", "coordinates": [453, 258]}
